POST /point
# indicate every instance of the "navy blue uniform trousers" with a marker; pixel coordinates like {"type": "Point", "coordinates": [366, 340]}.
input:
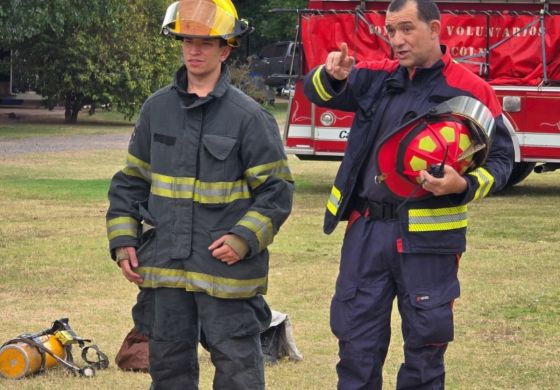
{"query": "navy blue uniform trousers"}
{"type": "Point", "coordinates": [231, 328]}
{"type": "Point", "coordinates": [372, 273]}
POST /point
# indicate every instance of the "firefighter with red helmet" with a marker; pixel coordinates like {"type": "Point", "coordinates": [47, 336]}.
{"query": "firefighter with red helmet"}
{"type": "Point", "coordinates": [428, 138]}
{"type": "Point", "coordinates": [205, 189]}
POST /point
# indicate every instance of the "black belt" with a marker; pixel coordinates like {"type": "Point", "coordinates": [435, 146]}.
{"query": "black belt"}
{"type": "Point", "coordinates": [379, 210]}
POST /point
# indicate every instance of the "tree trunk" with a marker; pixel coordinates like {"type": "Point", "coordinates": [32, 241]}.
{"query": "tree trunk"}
{"type": "Point", "coordinates": [72, 107]}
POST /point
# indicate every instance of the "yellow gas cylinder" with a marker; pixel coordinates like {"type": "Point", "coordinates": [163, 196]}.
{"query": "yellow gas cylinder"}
{"type": "Point", "coordinates": [20, 359]}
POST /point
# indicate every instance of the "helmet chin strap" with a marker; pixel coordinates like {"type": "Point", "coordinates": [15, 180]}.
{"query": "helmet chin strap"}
{"type": "Point", "coordinates": [471, 151]}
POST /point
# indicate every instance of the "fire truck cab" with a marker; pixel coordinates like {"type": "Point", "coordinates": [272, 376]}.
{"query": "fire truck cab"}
{"type": "Point", "coordinates": [512, 44]}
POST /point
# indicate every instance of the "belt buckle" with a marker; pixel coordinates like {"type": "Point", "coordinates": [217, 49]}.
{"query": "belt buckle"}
{"type": "Point", "coordinates": [375, 210]}
{"type": "Point", "coordinates": [379, 210]}
{"type": "Point", "coordinates": [387, 211]}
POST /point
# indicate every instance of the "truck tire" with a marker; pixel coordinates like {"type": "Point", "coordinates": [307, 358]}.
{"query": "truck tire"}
{"type": "Point", "coordinates": [520, 171]}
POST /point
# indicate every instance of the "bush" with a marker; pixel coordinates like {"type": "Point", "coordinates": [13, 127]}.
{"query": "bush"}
{"type": "Point", "coordinates": [255, 87]}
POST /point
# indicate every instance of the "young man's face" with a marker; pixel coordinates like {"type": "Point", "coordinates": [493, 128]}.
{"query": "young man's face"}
{"type": "Point", "coordinates": [414, 42]}
{"type": "Point", "coordinates": [204, 56]}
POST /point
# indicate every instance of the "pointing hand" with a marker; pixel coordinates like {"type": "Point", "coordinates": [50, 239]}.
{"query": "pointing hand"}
{"type": "Point", "coordinates": [338, 64]}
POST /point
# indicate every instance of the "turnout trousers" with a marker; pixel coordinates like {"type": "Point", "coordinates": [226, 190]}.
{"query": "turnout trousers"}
{"type": "Point", "coordinates": [231, 329]}
{"type": "Point", "coordinates": [372, 273]}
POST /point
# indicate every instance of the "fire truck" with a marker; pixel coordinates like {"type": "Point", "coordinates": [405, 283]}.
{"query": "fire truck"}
{"type": "Point", "coordinates": [512, 44]}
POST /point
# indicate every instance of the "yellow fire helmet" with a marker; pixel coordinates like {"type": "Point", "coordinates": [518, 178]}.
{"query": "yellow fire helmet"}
{"type": "Point", "coordinates": [204, 19]}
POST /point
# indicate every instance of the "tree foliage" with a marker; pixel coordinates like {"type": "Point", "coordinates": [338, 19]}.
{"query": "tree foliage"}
{"type": "Point", "coordinates": [101, 52]}
{"type": "Point", "coordinates": [109, 52]}
{"type": "Point", "coordinates": [278, 26]}
{"type": "Point", "coordinates": [269, 26]}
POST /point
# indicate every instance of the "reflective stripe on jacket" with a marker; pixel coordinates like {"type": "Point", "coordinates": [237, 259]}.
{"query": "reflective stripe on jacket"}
{"type": "Point", "coordinates": [197, 169]}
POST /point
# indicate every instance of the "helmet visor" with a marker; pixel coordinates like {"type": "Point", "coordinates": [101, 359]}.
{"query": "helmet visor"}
{"type": "Point", "coordinates": [201, 18]}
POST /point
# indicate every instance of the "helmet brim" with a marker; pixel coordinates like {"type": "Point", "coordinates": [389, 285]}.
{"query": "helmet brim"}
{"type": "Point", "coordinates": [206, 20]}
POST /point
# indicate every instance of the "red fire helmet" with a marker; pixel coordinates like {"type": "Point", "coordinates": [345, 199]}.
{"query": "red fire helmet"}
{"type": "Point", "coordinates": [455, 133]}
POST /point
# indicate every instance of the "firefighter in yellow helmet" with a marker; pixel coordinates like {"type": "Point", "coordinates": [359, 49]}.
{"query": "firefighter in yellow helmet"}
{"type": "Point", "coordinates": [205, 189]}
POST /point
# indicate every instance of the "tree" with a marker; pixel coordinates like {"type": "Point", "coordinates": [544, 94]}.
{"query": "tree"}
{"type": "Point", "coordinates": [109, 52]}
{"type": "Point", "coordinates": [101, 52]}
{"type": "Point", "coordinates": [270, 26]}
{"type": "Point", "coordinates": [278, 26]}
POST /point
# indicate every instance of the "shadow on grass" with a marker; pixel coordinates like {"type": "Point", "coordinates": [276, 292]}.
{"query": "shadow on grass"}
{"type": "Point", "coordinates": [312, 187]}
{"type": "Point", "coordinates": [56, 117]}
{"type": "Point", "coordinates": [530, 190]}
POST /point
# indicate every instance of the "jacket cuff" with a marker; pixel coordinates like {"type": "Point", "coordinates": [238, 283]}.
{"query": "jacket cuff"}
{"type": "Point", "coordinates": [466, 196]}
{"type": "Point", "coordinates": [335, 86]}
{"type": "Point", "coordinates": [239, 245]}
{"type": "Point", "coordinates": [121, 242]}
{"type": "Point", "coordinates": [248, 237]}
{"type": "Point", "coordinates": [325, 86]}
{"type": "Point", "coordinates": [121, 254]}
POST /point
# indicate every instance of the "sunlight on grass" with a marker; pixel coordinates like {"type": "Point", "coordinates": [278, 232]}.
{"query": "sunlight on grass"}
{"type": "Point", "coordinates": [55, 264]}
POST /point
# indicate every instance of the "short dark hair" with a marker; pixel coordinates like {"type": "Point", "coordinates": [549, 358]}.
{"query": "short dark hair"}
{"type": "Point", "coordinates": [427, 9]}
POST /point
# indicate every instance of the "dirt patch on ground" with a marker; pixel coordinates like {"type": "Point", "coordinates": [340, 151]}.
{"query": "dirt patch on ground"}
{"type": "Point", "coordinates": [31, 115]}
{"type": "Point", "coordinates": [15, 115]}
{"type": "Point", "coordinates": [56, 143]}
{"type": "Point", "coordinates": [64, 143]}
{"type": "Point", "coordinates": [18, 114]}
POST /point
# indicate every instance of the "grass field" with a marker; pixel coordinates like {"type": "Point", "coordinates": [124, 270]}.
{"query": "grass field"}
{"type": "Point", "coordinates": [54, 263]}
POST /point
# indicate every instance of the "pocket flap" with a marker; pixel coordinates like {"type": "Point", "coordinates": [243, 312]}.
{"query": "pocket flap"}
{"type": "Point", "coordinates": [219, 146]}
{"type": "Point", "coordinates": [438, 296]}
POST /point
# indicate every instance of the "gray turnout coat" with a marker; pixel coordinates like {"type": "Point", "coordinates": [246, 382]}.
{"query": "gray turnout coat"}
{"type": "Point", "coordinates": [196, 169]}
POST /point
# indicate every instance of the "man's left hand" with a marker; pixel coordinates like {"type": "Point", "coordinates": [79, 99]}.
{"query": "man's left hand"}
{"type": "Point", "coordinates": [224, 252]}
{"type": "Point", "coordinates": [450, 183]}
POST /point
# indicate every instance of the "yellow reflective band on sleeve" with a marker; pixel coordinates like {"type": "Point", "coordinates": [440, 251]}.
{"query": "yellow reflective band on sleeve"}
{"type": "Point", "coordinates": [260, 225]}
{"type": "Point", "coordinates": [431, 220]}
{"type": "Point", "coordinates": [138, 168]}
{"type": "Point", "coordinates": [258, 175]}
{"type": "Point", "coordinates": [485, 182]}
{"type": "Point", "coordinates": [198, 191]}
{"type": "Point", "coordinates": [122, 226]}
{"type": "Point", "coordinates": [334, 200]}
{"type": "Point", "coordinates": [319, 88]}
{"type": "Point", "coordinates": [194, 281]}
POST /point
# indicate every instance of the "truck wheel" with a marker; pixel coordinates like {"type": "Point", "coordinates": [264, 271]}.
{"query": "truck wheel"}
{"type": "Point", "coordinates": [520, 171]}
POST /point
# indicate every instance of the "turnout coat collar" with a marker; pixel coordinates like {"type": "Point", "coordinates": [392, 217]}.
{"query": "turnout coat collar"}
{"type": "Point", "coordinates": [180, 85]}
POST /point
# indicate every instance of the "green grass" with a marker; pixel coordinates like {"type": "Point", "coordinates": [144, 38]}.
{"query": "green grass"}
{"type": "Point", "coordinates": [62, 189]}
{"type": "Point", "coordinates": [101, 117]}
{"type": "Point", "coordinates": [54, 263]}
{"type": "Point", "coordinates": [278, 110]}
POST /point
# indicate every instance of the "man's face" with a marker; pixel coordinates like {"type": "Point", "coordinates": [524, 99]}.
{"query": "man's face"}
{"type": "Point", "coordinates": [204, 56]}
{"type": "Point", "coordinates": [414, 42]}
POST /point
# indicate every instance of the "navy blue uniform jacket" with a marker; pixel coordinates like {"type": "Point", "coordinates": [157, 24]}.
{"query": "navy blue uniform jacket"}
{"type": "Point", "coordinates": [381, 94]}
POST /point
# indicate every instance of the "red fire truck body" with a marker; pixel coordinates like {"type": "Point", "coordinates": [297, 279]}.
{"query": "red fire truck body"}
{"type": "Point", "coordinates": [514, 45]}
